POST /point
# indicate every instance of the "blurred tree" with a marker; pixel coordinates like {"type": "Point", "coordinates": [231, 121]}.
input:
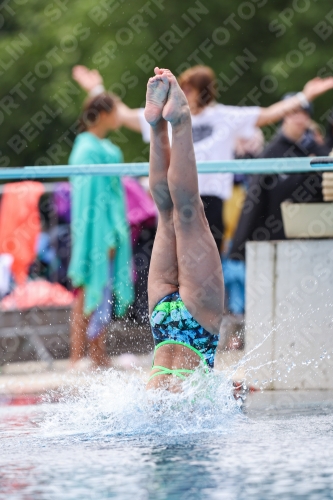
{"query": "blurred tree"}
{"type": "Point", "coordinates": [259, 50]}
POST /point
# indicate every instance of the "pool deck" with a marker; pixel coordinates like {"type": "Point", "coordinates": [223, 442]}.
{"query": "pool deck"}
{"type": "Point", "coordinates": [38, 378]}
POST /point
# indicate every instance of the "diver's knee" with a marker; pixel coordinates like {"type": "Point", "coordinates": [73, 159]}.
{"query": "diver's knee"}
{"type": "Point", "coordinates": [190, 212]}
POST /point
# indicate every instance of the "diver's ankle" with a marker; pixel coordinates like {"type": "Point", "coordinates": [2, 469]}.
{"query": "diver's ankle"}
{"type": "Point", "coordinates": [160, 124]}
{"type": "Point", "coordinates": [183, 118]}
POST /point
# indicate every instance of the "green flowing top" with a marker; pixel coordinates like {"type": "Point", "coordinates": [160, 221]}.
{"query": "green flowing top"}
{"type": "Point", "coordinates": [98, 224]}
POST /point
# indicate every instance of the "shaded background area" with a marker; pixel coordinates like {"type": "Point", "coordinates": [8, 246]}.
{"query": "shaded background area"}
{"type": "Point", "coordinates": [259, 50]}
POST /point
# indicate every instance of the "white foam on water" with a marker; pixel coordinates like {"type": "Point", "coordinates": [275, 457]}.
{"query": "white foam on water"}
{"type": "Point", "coordinates": [114, 403]}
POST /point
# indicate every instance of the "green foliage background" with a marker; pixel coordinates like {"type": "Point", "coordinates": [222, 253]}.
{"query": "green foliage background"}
{"type": "Point", "coordinates": [294, 34]}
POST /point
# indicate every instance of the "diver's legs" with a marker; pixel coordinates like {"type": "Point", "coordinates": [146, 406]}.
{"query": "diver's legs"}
{"type": "Point", "coordinates": [199, 266]}
{"type": "Point", "coordinates": [163, 271]}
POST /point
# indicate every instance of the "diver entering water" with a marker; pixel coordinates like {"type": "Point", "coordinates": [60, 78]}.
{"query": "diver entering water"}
{"type": "Point", "coordinates": [185, 284]}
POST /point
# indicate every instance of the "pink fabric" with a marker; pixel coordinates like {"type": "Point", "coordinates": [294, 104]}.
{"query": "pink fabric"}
{"type": "Point", "coordinates": [39, 293]}
{"type": "Point", "coordinates": [20, 225]}
{"type": "Point", "coordinates": [139, 206]}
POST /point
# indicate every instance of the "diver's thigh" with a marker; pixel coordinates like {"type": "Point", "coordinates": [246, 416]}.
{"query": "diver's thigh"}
{"type": "Point", "coordinates": [163, 269]}
{"type": "Point", "coordinates": [200, 271]}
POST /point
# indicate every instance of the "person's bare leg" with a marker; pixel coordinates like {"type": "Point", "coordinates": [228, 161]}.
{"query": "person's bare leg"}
{"type": "Point", "coordinates": [163, 271]}
{"type": "Point", "coordinates": [78, 326]}
{"type": "Point", "coordinates": [97, 351]}
{"type": "Point", "coordinates": [199, 266]}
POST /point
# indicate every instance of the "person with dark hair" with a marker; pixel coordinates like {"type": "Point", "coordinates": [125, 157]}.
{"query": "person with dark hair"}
{"type": "Point", "coordinates": [261, 217]}
{"type": "Point", "coordinates": [94, 107]}
{"type": "Point", "coordinates": [329, 131]}
{"type": "Point", "coordinates": [185, 285]}
{"type": "Point", "coordinates": [100, 266]}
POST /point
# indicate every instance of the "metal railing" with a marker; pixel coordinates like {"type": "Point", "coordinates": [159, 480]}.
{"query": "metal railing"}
{"type": "Point", "coordinates": [255, 166]}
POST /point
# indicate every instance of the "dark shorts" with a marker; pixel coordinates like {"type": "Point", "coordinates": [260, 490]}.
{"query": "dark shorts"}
{"type": "Point", "coordinates": [213, 211]}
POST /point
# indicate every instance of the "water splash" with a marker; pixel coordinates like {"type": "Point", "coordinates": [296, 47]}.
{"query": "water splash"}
{"type": "Point", "coordinates": [113, 403]}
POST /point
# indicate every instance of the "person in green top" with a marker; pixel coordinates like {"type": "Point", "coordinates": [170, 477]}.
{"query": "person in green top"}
{"type": "Point", "coordinates": [101, 259]}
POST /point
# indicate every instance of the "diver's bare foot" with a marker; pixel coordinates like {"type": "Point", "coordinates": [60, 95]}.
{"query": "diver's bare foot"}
{"type": "Point", "coordinates": [157, 92]}
{"type": "Point", "coordinates": [176, 107]}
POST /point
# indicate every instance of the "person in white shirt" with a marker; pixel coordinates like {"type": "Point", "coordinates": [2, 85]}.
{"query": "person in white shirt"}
{"type": "Point", "coordinates": [215, 127]}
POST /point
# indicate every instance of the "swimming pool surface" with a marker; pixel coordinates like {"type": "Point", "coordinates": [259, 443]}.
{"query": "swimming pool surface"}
{"type": "Point", "coordinates": [109, 440]}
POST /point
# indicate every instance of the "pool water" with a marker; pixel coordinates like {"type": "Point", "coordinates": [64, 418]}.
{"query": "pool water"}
{"type": "Point", "coordinates": [110, 439]}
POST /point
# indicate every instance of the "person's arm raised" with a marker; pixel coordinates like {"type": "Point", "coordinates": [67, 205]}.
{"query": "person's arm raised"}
{"type": "Point", "coordinates": [277, 111]}
{"type": "Point", "coordinates": [91, 81]}
{"type": "Point", "coordinates": [129, 117]}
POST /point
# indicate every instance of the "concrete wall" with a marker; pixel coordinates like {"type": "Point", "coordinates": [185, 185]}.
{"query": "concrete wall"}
{"type": "Point", "coordinates": [43, 333]}
{"type": "Point", "coordinates": [289, 314]}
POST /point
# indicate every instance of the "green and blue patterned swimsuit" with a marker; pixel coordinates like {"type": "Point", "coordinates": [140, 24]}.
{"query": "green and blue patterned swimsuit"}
{"type": "Point", "coordinates": [172, 323]}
